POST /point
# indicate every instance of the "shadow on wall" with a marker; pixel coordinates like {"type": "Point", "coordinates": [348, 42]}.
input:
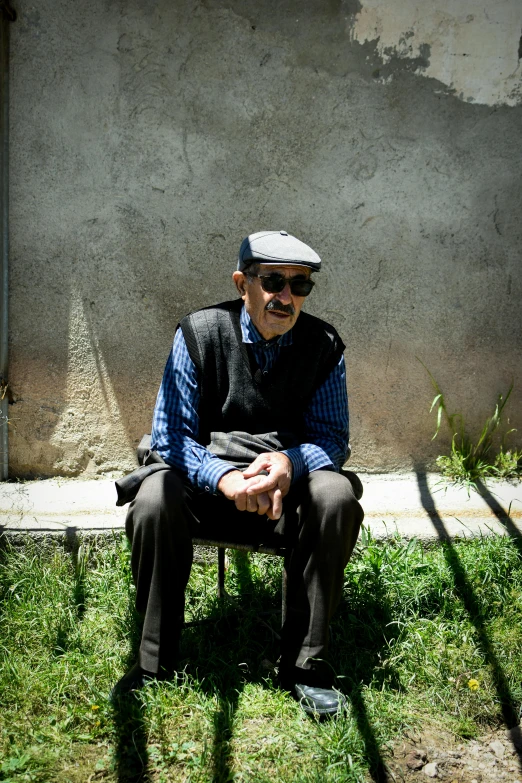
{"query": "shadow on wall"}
{"type": "Point", "coordinates": [90, 398]}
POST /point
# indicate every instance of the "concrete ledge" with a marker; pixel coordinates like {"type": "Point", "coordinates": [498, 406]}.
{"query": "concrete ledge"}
{"type": "Point", "coordinates": [412, 504]}
{"type": "Point", "coordinates": [424, 505]}
{"type": "Point", "coordinates": [52, 505]}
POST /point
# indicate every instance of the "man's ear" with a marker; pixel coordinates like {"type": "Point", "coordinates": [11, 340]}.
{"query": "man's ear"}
{"type": "Point", "coordinates": [239, 281]}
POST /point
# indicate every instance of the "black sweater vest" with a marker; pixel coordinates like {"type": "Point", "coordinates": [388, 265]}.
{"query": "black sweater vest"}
{"type": "Point", "coordinates": [235, 395]}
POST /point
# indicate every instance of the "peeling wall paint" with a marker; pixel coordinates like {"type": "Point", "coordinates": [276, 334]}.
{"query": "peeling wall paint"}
{"type": "Point", "coordinates": [471, 47]}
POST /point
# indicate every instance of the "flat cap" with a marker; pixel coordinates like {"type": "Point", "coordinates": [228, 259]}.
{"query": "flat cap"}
{"type": "Point", "coordinates": [276, 247]}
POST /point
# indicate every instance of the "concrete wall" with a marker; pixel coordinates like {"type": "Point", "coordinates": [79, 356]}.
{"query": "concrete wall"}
{"type": "Point", "coordinates": [149, 137]}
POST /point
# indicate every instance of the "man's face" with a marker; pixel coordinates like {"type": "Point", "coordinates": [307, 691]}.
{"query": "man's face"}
{"type": "Point", "coordinates": [272, 314]}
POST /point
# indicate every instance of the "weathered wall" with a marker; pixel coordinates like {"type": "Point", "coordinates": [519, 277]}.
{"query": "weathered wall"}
{"type": "Point", "coordinates": [149, 137]}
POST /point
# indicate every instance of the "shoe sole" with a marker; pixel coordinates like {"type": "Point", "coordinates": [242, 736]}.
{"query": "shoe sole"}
{"type": "Point", "coordinates": [319, 713]}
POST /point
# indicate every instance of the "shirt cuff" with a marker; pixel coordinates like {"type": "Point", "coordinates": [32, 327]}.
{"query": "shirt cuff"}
{"type": "Point", "coordinates": [302, 466]}
{"type": "Point", "coordinates": [211, 472]}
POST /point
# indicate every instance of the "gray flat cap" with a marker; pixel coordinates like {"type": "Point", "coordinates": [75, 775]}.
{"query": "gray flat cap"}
{"type": "Point", "coordinates": [276, 247]}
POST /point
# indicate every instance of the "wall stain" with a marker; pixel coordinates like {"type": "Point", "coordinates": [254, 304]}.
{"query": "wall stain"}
{"type": "Point", "coordinates": [184, 136]}
{"type": "Point", "coordinates": [369, 220]}
{"type": "Point", "coordinates": [495, 217]}
{"type": "Point", "coordinates": [378, 280]}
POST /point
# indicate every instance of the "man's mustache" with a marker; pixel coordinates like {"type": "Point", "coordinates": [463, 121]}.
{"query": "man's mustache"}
{"type": "Point", "coordinates": [275, 304]}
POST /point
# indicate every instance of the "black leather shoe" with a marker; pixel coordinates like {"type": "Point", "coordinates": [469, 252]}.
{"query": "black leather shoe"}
{"type": "Point", "coordinates": [312, 688]}
{"type": "Point", "coordinates": [135, 679]}
{"type": "Point", "coordinates": [323, 702]}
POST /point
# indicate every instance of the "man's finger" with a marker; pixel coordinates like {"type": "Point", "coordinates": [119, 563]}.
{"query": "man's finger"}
{"type": "Point", "coordinates": [251, 503]}
{"type": "Point", "coordinates": [263, 503]}
{"type": "Point", "coordinates": [260, 484]}
{"type": "Point", "coordinates": [241, 501]}
{"type": "Point", "coordinates": [277, 504]}
{"type": "Point", "coordinates": [260, 463]}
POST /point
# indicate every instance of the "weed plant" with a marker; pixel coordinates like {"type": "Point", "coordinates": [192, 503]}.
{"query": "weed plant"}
{"type": "Point", "coordinates": [471, 461]}
{"type": "Point", "coordinates": [415, 626]}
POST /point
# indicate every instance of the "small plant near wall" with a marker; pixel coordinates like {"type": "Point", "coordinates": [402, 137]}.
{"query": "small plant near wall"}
{"type": "Point", "coordinates": [471, 460]}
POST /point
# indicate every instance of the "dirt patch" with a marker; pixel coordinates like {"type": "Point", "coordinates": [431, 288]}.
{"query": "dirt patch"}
{"type": "Point", "coordinates": [88, 764]}
{"type": "Point", "coordinates": [438, 755]}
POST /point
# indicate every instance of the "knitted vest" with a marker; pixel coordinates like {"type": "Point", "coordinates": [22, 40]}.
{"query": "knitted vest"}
{"type": "Point", "coordinates": [235, 395]}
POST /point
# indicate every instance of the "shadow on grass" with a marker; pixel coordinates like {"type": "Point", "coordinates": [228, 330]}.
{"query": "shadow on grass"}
{"type": "Point", "coordinates": [361, 632]}
{"type": "Point", "coordinates": [465, 591]}
{"type": "Point", "coordinates": [79, 552]}
{"type": "Point", "coordinates": [223, 733]}
{"type": "Point", "coordinates": [226, 651]}
{"type": "Point", "coordinates": [376, 765]}
{"type": "Point", "coordinates": [501, 514]}
{"type": "Point", "coordinates": [4, 551]}
{"type": "Point", "coordinates": [222, 653]}
{"type": "Point", "coordinates": [79, 555]}
{"type": "Point", "coordinates": [130, 752]}
{"type": "Point", "coordinates": [226, 654]}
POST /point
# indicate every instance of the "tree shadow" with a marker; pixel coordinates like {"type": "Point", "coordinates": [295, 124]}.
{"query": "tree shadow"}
{"type": "Point", "coordinates": [465, 591]}
{"type": "Point", "coordinates": [5, 549]}
{"type": "Point", "coordinates": [226, 651]}
{"type": "Point", "coordinates": [231, 647]}
{"type": "Point", "coordinates": [361, 631]}
{"type": "Point", "coordinates": [243, 636]}
{"type": "Point", "coordinates": [223, 724]}
{"type": "Point", "coordinates": [500, 512]}
{"type": "Point", "coordinates": [128, 710]}
{"type": "Point", "coordinates": [131, 756]}
{"type": "Point", "coordinates": [78, 549]}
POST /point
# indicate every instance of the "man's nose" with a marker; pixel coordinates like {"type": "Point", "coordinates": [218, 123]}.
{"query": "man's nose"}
{"type": "Point", "coordinates": [285, 296]}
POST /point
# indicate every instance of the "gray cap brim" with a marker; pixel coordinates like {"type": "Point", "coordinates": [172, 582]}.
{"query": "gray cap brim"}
{"type": "Point", "coordinates": [276, 247]}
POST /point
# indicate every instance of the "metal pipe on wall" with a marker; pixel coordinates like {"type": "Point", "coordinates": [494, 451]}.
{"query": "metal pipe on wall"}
{"type": "Point", "coordinates": [7, 15]}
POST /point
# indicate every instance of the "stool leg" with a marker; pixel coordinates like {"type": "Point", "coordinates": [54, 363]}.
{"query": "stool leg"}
{"type": "Point", "coordinates": [221, 572]}
{"type": "Point", "coordinates": [284, 587]}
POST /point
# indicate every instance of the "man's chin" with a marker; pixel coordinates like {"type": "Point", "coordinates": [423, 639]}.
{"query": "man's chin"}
{"type": "Point", "coordinates": [282, 321]}
{"type": "Point", "coordinates": [275, 327]}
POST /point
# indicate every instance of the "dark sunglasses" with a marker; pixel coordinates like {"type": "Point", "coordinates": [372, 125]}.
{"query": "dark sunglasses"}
{"type": "Point", "coordinates": [275, 282]}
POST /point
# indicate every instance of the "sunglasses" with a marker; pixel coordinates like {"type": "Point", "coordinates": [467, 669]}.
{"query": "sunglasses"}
{"type": "Point", "coordinates": [275, 282]}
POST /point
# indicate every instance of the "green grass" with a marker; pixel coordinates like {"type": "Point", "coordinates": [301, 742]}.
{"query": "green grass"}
{"type": "Point", "coordinates": [415, 625]}
{"type": "Point", "coordinates": [474, 460]}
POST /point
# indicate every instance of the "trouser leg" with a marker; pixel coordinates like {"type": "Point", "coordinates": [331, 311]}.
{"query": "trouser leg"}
{"type": "Point", "coordinates": [321, 523]}
{"type": "Point", "coordinates": [326, 524]}
{"type": "Point", "coordinates": [159, 526]}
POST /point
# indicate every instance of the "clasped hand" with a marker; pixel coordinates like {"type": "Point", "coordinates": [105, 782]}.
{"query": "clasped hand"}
{"type": "Point", "coordinates": [260, 494]}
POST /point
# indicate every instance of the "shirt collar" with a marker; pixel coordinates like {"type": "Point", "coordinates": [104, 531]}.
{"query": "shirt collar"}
{"type": "Point", "coordinates": [251, 335]}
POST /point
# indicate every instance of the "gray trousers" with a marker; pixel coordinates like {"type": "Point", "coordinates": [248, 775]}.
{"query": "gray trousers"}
{"type": "Point", "coordinates": [320, 523]}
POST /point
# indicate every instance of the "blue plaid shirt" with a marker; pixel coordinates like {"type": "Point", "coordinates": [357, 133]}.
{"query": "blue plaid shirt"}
{"type": "Point", "coordinates": [176, 423]}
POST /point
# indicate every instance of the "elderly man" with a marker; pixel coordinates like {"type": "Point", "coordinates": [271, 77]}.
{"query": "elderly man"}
{"type": "Point", "coordinates": [252, 420]}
